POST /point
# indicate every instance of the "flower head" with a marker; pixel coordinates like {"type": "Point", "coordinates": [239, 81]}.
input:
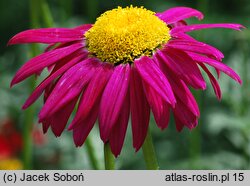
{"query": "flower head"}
{"type": "Point", "coordinates": [130, 62]}
{"type": "Point", "coordinates": [124, 34]}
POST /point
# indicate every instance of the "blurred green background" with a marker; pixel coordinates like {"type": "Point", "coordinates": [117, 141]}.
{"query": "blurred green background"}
{"type": "Point", "coordinates": [222, 139]}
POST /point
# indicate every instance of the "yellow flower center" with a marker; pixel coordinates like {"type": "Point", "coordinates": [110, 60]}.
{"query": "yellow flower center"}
{"type": "Point", "coordinates": [124, 34]}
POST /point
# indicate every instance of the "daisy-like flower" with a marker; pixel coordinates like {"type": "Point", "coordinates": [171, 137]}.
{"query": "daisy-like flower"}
{"type": "Point", "coordinates": [130, 62]}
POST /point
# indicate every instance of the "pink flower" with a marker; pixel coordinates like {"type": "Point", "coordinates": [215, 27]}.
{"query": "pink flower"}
{"type": "Point", "coordinates": [130, 61]}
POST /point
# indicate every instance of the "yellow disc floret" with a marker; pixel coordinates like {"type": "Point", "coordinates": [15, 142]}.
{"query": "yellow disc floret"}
{"type": "Point", "coordinates": [124, 34]}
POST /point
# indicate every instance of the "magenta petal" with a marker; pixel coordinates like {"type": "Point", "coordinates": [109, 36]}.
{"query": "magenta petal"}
{"type": "Point", "coordinates": [178, 124]}
{"type": "Point", "coordinates": [185, 116]}
{"type": "Point", "coordinates": [69, 86]}
{"type": "Point", "coordinates": [83, 128]}
{"type": "Point", "coordinates": [59, 120]}
{"type": "Point", "coordinates": [205, 26]}
{"type": "Point", "coordinates": [182, 91]}
{"type": "Point", "coordinates": [46, 35]}
{"type": "Point", "coordinates": [140, 110]}
{"type": "Point", "coordinates": [50, 47]}
{"type": "Point", "coordinates": [55, 46]}
{"type": "Point", "coordinates": [184, 36]}
{"type": "Point", "coordinates": [118, 133]}
{"type": "Point", "coordinates": [160, 108]}
{"type": "Point", "coordinates": [195, 46]}
{"type": "Point", "coordinates": [45, 125]}
{"type": "Point", "coordinates": [213, 81]}
{"type": "Point", "coordinates": [92, 94]}
{"type": "Point", "coordinates": [83, 28]}
{"type": "Point", "coordinates": [152, 75]}
{"type": "Point", "coordinates": [40, 88]}
{"type": "Point", "coordinates": [179, 23]}
{"type": "Point", "coordinates": [218, 73]}
{"type": "Point", "coordinates": [216, 64]}
{"type": "Point", "coordinates": [186, 97]}
{"type": "Point", "coordinates": [49, 89]}
{"type": "Point", "coordinates": [182, 65]}
{"type": "Point", "coordinates": [38, 63]}
{"type": "Point", "coordinates": [173, 15]}
{"type": "Point", "coordinates": [112, 99]}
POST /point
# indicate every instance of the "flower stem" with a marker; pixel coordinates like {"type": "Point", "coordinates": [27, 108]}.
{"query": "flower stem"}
{"type": "Point", "coordinates": [27, 141]}
{"type": "Point", "coordinates": [91, 154]}
{"type": "Point", "coordinates": [46, 14]}
{"type": "Point", "coordinates": [29, 113]}
{"type": "Point", "coordinates": [195, 147]}
{"type": "Point", "coordinates": [149, 153]}
{"type": "Point", "coordinates": [108, 158]}
{"type": "Point", "coordinates": [34, 14]}
{"type": "Point", "coordinates": [195, 138]}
